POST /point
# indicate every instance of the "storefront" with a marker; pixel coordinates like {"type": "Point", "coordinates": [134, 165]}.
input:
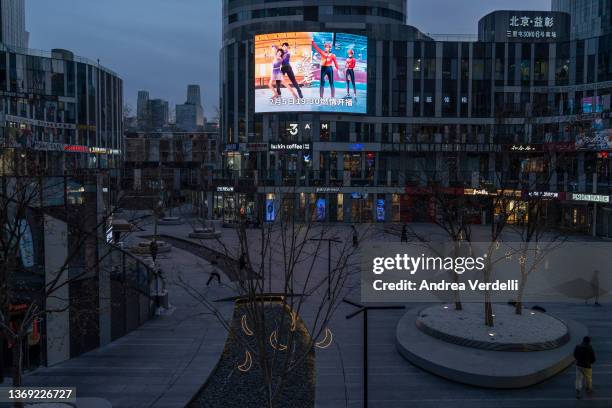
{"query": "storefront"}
{"type": "Point", "coordinates": [230, 205]}
{"type": "Point", "coordinates": [579, 212]}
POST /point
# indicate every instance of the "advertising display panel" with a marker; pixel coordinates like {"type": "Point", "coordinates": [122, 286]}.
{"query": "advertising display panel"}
{"type": "Point", "coordinates": [311, 72]}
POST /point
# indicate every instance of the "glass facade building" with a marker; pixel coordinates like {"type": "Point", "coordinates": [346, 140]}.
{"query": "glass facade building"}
{"type": "Point", "coordinates": [462, 114]}
{"type": "Point", "coordinates": [590, 18]}
{"type": "Point", "coordinates": [63, 111]}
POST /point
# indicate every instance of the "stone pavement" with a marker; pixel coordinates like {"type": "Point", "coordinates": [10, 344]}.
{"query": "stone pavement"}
{"type": "Point", "coordinates": [162, 364]}
{"type": "Point", "coordinates": [395, 383]}
{"type": "Point", "coordinates": [166, 361]}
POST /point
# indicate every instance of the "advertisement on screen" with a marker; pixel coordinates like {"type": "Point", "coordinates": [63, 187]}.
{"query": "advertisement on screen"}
{"type": "Point", "coordinates": [380, 210]}
{"type": "Point", "coordinates": [270, 211]}
{"type": "Point", "coordinates": [321, 209]}
{"type": "Point", "coordinates": [311, 72]}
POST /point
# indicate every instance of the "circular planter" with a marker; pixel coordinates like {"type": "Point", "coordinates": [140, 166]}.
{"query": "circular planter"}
{"type": "Point", "coordinates": [469, 362]}
{"type": "Point", "coordinates": [531, 331]}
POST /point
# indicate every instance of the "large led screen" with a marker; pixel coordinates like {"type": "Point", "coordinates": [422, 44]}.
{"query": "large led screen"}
{"type": "Point", "coordinates": [311, 72]}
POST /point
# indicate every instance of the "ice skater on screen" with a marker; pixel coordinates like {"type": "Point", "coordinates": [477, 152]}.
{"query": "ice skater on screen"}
{"type": "Point", "coordinates": [287, 70]}
{"type": "Point", "coordinates": [277, 78]}
{"type": "Point", "coordinates": [328, 61]}
{"type": "Point", "coordinates": [349, 74]}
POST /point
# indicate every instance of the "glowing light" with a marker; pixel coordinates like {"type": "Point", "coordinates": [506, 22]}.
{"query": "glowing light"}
{"type": "Point", "coordinates": [248, 362]}
{"type": "Point", "coordinates": [245, 327]}
{"type": "Point", "coordinates": [492, 334]}
{"type": "Point", "coordinates": [293, 321]}
{"type": "Point", "coordinates": [327, 341]}
{"type": "Point", "coordinates": [274, 342]}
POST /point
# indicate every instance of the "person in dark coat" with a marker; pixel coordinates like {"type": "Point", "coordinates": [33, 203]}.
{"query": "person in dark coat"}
{"type": "Point", "coordinates": [214, 272]}
{"type": "Point", "coordinates": [585, 357]}
{"type": "Point", "coordinates": [404, 237]}
{"type": "Point", "coordinates": [355, 237]}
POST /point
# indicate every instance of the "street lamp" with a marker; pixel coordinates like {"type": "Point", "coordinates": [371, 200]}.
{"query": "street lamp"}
{"type": "Point", "coordinates": [329, 242]}
{"type": "Point", "coordinates": [365, 309]}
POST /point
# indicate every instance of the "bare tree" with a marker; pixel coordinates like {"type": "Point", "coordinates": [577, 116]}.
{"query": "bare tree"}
{"type": "Point", "coordinates": [278, 264]}
{"type": "Point", "coordinates": [24, 191]}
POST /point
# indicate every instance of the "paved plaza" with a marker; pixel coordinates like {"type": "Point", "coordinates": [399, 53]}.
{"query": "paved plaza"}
{"type": "Point", "coordinates": [167, 360]}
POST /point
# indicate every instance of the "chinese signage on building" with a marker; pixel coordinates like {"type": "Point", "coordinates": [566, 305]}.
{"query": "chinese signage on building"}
{"type": "Point", "coordinates": [540, 26]}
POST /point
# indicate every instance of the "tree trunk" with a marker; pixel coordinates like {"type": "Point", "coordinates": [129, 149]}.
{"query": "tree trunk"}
{"type": "Point", "coordinates": [457, 296]}
{"type": "Point", "coordinates": [17, 367]}
{"type": "Point", "coordinates": [518, 308]}
{"type": "Point", "coordinates": [488, 305]}
{"type": "Point", "coordinates": [489, 312]}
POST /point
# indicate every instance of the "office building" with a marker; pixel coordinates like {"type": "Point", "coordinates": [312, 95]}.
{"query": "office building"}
{"type": "Point", "coordinates": [590, 18]}
{"type": "Point", "coordinates": [190, 115]}
{"type": "Point", "coordinates": [142, 109]}
{"type": "Point", "coordinates": [62, 131]}
{"type": "Point", "coordinates": [193, 95]}
{"type": "Point", "coordinates": [12, 18]}
{"type": "Point", "coordinates": [159, 113]}
{"type": "Point", "coordinates": [453, 112]}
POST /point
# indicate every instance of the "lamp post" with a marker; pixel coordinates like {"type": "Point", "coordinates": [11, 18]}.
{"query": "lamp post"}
{"type": "Point", "coordinates": [329, 242]}
{"type": "Point", "coordinates": [365, 309]}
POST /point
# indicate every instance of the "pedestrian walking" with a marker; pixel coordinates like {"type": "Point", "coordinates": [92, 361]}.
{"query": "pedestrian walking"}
{"type": "Point", "coordinates": [355, 237]}
{"type": "Point", "coordinates": [214, 264]}
{"type": "Point", "coordinates": [404, 237]}
{"type": "Point", "coordinates": [242, 263]}
{"type": "Point", "coordinates": [585, 357]}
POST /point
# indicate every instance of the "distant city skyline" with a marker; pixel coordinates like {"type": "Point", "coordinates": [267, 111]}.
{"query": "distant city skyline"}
{"type": "Point", "coordinates": [162, 46]}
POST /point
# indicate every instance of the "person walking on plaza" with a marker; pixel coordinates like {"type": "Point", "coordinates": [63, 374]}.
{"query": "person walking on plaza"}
{"type": "Point", "coordinates": [214, 272]}
{"type": "Point", "coordinates": [585, 357]}
{"type": "Point", "coordinates": [404, 237]}
{"type": "Point", "coordinates": [355, 237]}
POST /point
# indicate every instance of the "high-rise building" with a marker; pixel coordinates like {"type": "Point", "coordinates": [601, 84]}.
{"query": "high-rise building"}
{"type": "Point", "coordinates": [142, 108]}
{"type": "Point", "coordinates": [12, 17]}
{"type": "Point", "coordinates": [159, 113]}
{"type": "Point", "coordinates": [193, 95]}
{"type": "Point", "coordinates": [190, 115]}
{"type": "Point", "coordinates": [590, 18]}
{"type": "Point", "coordinates": [403, 113]}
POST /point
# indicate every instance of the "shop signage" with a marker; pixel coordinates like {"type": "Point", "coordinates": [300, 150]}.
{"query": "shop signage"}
{"type": "Point", "coordinates": [289, 147]}
{"type": "Point", "coordinates": [232, 147]}
{"type": "Point", "coordinates": [225, 189]}
{"type": "Point", "coordinates": [543, 194]}
{"type": "Point", "coordinates": [293, 129]}
{"type": "Point", "coordinates": [592, 198]}
{"type": "Point", "coordinates": [43, 123]}
{"type": "Point", "coordinates": [522, 148]}
{"type": "Point", "coordinates": [60, 147]}
{"type": "Point", "coordinates": [324, 190]}
{"type": "Point", "coordinates": [538, 26]}
{"type": "Point", "coordinates": [257, 147]}
{"type": "Point", "coordinates": [477, 192]}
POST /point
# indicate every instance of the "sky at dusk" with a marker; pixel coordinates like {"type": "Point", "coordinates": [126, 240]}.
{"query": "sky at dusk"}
{"type": "Point", "coordinates": [163, 45]}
